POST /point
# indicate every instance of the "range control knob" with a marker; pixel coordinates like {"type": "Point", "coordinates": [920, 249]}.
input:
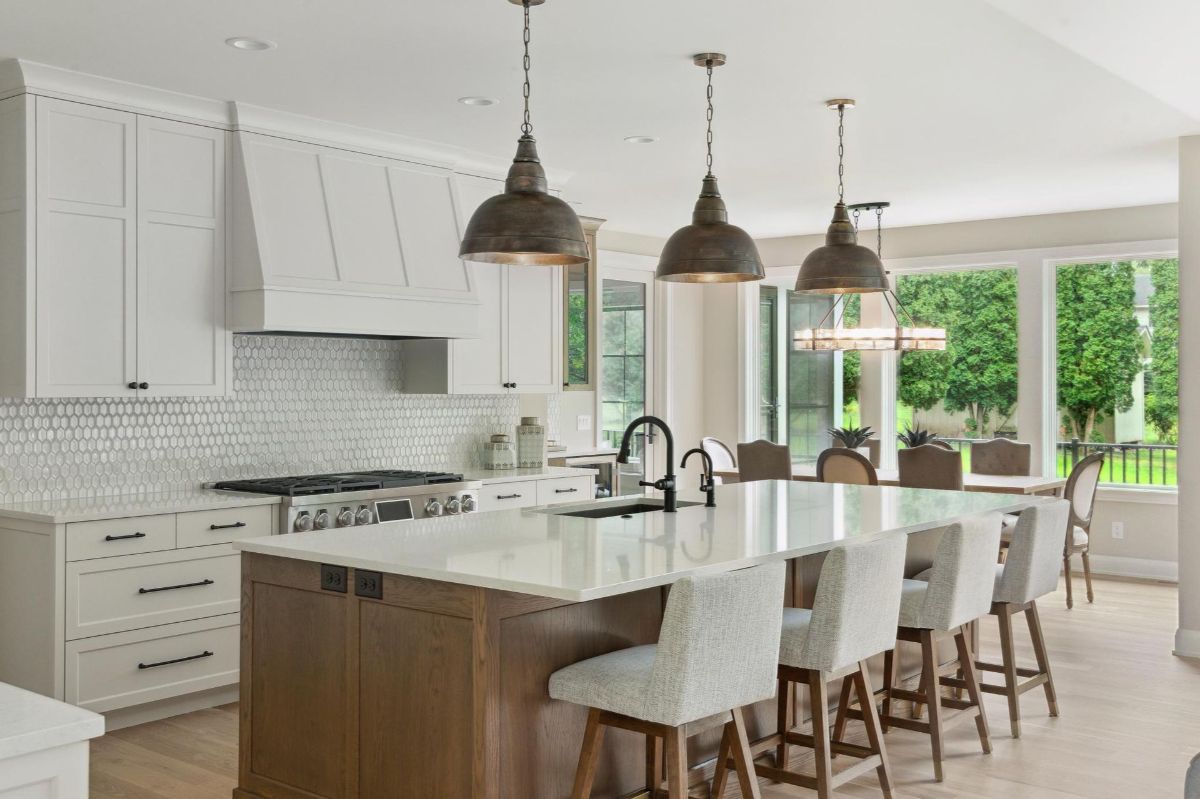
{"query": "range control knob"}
{"type": "Point", "coordinates": [345, 518]}
{"type": "Point", "coordinates": [469, 505]}
{"type": "Point", "coordinates": [433, 508]}
{"type": "Point", "coordinates": [303, 522]}
{"type": "Point", "coordinates": [453, 506]}
{"type": "Point", "coordinates": [364, 515]}
{"type": "Point", "coordinates": [322, 520]}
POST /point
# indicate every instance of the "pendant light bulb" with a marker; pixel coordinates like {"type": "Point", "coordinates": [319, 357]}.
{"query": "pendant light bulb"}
{"type": "Point", "coordinates": [710, 250]}
{"type": "Point", "coordinates": [526, 225]}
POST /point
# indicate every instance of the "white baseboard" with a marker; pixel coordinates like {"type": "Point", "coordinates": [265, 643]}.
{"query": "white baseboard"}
{"type": "Point", "coordinates": [1187, 643]}
{"type": "Point", "coordinates": [1117, 566]}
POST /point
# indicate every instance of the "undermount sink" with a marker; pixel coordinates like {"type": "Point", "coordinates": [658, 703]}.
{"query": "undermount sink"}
{"type": "Point", "coordinates": [607, 510]}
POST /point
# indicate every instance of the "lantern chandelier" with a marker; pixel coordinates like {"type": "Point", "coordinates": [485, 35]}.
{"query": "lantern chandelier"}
{"type": "Point", "coordinates": [900, 338]}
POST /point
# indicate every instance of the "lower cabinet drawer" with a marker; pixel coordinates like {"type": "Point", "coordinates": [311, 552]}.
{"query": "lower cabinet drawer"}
{"type": "Point", "coordinates": [108, 537]}
{"type": "Point", "coordinates": [125, 593]}
{"type": "Point", "coordinates": [204, 527]}
{"type": "Point", "coordinates": [507, 496]}
{"type": "Point", "coordinates": [564, 489]}
{"type": "Point", "coordinates": [125, 669]}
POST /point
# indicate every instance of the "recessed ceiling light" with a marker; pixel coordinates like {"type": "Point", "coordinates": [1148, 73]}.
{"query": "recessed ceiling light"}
{"type": "Point", "coordinates": [478, 100]}
{"type": "Point", "coordinates": [641, 139]}
{"type": "Point", "coordinates": [248, 43]}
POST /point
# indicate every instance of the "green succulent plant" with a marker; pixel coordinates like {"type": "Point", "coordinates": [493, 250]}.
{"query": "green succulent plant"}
{"type": "Point", "coordinates": [851, 437]}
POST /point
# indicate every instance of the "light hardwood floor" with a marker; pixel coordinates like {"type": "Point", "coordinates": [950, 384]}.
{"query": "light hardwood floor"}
{"type": "Point", "coordinates": [1130, 723]}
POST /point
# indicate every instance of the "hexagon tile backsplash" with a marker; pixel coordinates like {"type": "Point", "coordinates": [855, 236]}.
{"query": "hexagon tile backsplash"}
{"type": "Point", "coordinates": [299, 405]}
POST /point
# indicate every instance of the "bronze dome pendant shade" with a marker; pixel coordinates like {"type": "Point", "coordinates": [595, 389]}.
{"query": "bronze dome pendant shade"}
{"type": "Point", "coordinates": [710, 250]}
{"type": "Point", "coordinates": [842, 266]}
{"type": "Point", "coordinates": [526, 225]}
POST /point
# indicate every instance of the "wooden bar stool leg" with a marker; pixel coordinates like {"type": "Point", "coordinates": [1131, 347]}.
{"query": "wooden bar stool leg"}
{"type": "Point", "coordinates": [1067, 574]}
{"type": "Point", "coordinates": [818, 692]}
{"type": "Point", "coordinates": [589, 756]}
{"type": "Point", "coordinates": [677, 771]}
{"type": "Point", "coordinates": [866, 701]}
{"type": "Point", "coordinates": [654, 763]}
{"type": "Point", "coordinates": [1011, 680]}
{"type": "Point", "coordinates": [839, 724]}
{"type": "Point", "coordinates": [1087, 575]}
{"type": "Point", "coordinates": [1039, 652]}
{"type": "Point", "coordinates": [785, 709]}
{"type": "Point", "coordinates": [742, 758]}
{"type": "Point", "coordinates": [929, 677]}
{"type": "Point", "coordinates": [889, 681]}
{"type": "Point", "coordinates": [918, 706]}
{"type": "Point", "coordinates": [972, 677]}
{"type": "Point", "coordinates": [721, 771]}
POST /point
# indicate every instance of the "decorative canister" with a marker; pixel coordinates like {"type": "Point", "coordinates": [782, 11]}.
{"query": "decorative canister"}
{"type": "Point", "coordinates": [531, 443]}
{"type": "Point", "coordinates": [499, 453]}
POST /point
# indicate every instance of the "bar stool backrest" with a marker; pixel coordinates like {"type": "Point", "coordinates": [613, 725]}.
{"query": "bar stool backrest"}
{"type": "Point", "coordinates": [1035, 554]}
{"type": "Point", "coordinates": [856, 607]}
{"type": "Point", "coordinates": [841, 465]}
{"type": "Point", "coordinates": [718, 647]}
{"type": "Point", "coordinates": [763, 460]}
{"type": "Point", "coordinates": [963, 577]}
{"type": "Point", "coordinates": [1001, 456]}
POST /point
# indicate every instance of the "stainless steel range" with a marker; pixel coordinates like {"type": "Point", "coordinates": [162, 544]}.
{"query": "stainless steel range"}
{"type": "Point", "coordinates": [352, 499]}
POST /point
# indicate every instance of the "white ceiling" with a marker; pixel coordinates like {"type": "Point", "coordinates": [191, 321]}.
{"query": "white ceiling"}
{"type": "Point", "coordinates": [969, 109]}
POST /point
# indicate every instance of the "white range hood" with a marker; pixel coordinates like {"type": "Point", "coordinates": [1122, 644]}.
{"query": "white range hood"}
{"type": "Point", "coordinates": [332, 242]}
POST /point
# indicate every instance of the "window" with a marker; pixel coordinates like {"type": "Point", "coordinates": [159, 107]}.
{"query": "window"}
{"type": "Point", "coordinates": [1118, 368]}
{"type": "Point", "coordinates": [969, 391]}
{"type": "Point", "coordinates": [768, 366]}
{"type": "Point", "coordinates": [577, 326]}
{"type": "Point", "coordinates": [623, 385]}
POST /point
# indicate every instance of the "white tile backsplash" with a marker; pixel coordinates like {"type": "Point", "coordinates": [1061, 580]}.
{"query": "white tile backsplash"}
{"type": "Point", "coordinates": [299, 405]}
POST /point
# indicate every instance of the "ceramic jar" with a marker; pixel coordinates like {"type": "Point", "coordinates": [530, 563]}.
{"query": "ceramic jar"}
{"type": "Point", "coordinates": [499, 453]}
{"type": "Point", "coordinates": [531, 443]}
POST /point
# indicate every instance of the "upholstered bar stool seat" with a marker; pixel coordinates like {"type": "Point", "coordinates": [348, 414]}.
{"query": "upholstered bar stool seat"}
{"type": "Point", "coordinates": [716, 653]}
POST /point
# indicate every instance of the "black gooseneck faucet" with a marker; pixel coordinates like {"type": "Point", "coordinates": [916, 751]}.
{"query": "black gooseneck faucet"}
{"type": "Point", "coordinates": [707, 484]}
{"type": "Point", "coordinates": [666, 483]}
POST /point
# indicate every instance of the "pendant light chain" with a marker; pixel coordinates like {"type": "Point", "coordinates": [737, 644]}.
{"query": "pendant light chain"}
{"type": "Point", "coordinates": [526, 125]}
{"type": "Point", "coordinates": [841, 109]}
{"type": "Point", "coordinates": [879, 232]}
{"type": "Point", "coordinates": [709, 116]}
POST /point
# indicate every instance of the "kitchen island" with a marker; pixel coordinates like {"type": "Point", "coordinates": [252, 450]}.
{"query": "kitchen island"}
{"type": "Point", "coordinates": [411, 658]}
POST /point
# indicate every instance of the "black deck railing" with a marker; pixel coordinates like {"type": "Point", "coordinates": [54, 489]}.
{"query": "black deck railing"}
{"type": "Point", "coordinates": [1138, 464]}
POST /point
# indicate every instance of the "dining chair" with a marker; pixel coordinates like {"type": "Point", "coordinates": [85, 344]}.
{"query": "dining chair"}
{"type": "Point", "coordinates": [1001, 456]}
{"type": "Point", "coordinates": [841, 465]}
{"type": "Point", "coordinates": [722, 456]}
{"type": "Point", "coordinates": [763, 460]}
{"type": "Point", "coordinates": [930, 466]}
{"type": "Point", "coordinates": [1081, 493]}
{"type": "Point", "coordinates": [937, 442]}
{"type": "Point", "coordinates": [717, 651]}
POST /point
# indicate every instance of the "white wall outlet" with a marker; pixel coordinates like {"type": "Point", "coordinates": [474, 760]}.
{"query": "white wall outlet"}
{"type": "Point", "coordinates": [583, 422]}
{"type": "Point", "coordinates": [1118, 529]}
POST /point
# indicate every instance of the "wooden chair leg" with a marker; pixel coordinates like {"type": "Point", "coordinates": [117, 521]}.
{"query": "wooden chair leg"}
{"type": "Point", "coordinates": [818, 693]}
{"type": "Point", "coordinates": [784, 708]}
{"type": "Point", "coordinates": [1067, 575]}
{"type": "Point", "coordinates": [918, 706]}
{"type": "Point", "coordinates": [1087, 575]}
{"type": "Point", "coordinates": [1039, 652]}
{"type": "Point", "coordinates": [721, 771]}
{"type": "Point", "coordinates": [839, 724]}
{"type": "Point", "coordinates": [677, 770]}
{"type": "Point", "coordinates": [1011, 680]}
{"type": "Point", "coordinates": [929, 676]}
{"type": "Point", "coordinates": [889, 681]}
{"type": "Point", "coordinates": [589, 756]}
{"type": "Point", "coordinates": [654, 764]}
{"type": "Point", "coordinates": [866, 701]}
{"type": "Point", "coordinates": [742, 758]}
{"type": "Point", "coordinates": [967, 660]}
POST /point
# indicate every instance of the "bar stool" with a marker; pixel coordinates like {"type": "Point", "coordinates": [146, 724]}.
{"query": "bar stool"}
{"type": "Point", "coordinates": [853, 618]}
{"type": "Point", "coordinates": [717, 652]}
{"type": "Point", "coordinates": [958, 591]}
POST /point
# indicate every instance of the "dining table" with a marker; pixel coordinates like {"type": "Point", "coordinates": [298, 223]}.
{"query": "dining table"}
{"type": "Point", "coordinates": [990, 483]}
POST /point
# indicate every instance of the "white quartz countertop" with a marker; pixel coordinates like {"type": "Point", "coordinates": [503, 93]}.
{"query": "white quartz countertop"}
{"type": "Point", "coordinates": [579, 559]}
{"type": "Point", "coordinates": [57, 511]}
{"type": "Point", "coordinates": [31, 722]}
{"type": "Point", "coordinates": [494, 476]}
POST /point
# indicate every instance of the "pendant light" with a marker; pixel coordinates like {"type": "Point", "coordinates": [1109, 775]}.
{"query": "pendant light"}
{"type": "Point", "coordinates": [842, 266]}
{"type": "Point", "coordinates": [899, 338]}
{"type": "Point", "coordinates": [526, 225]}
{"type": "Point", "coordinates": [710, 250]}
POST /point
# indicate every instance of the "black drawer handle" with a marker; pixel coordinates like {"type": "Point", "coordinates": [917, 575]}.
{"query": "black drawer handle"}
{"type": "Point", "coordinates": [226, 526]}
{"type": "Point", "coordinates": [124, 537]}
{"type": "Point", "coordinates": [508, 496]}
{"type": "Point", "coordinates": [204, 654]}
{"type": "Point", "coordinates": [173, 587]}
{"type": "Point", "coordinates": [566, 490]}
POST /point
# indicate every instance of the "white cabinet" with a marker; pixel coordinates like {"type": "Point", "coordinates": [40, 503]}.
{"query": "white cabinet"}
{"type": "Point", "coordinates": [123, 283]}
{"type": "Point", "coordinates": [519, 348]}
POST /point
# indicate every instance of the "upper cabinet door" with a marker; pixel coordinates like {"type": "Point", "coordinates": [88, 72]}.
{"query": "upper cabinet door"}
{"type": "Point", "coordinates": [86, 320]}
{"type": "Point", "coordinates": [183, 345]}
{"type": "Point", "coordinates": [533, 309]}
{"type": "Point", "coordinates": [478, 364]}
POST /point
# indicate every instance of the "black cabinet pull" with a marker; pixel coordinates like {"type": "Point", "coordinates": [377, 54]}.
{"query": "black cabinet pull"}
{"type": "Point", "coordinates": [565, 490]}
{"type": "Point", "coordinates": [226, 526]}
{"type": "Point", "coordinates": [124, 537]}
{"type": "Point", "coordinates": [133, 386]}
{"type": "Point", "coordinates": [204, 654]}
{"type": "Point", "coordinates": [173, 587]}
{"type": "Point", "coordinates": [508, 496]}
{"type": "Point", "coordinates": [143, 386]}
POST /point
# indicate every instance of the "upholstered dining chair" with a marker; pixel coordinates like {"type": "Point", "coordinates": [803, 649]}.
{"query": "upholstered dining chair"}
{"type": "Point", "coordinates": [763, 460]}
{"type": "Point", "coordinates": [1081, 493]}
{"type": "Point", "coordinates": [930, 466]}
{"type": "Point", "coordinates": [722, 456]}
{"type": "Point", "coordinates": [841, 465]}
{"type": "Point", "coordinates": [937, 442]}
{"type": "Point", "coordinates": [1001, 457]}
